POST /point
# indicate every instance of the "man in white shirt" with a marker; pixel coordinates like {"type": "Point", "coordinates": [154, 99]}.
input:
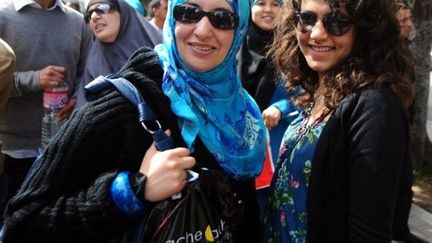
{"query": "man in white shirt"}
{"type": "Point", "coordinates": [158, 11]}
{"type": "Point", "coordinates": [51, 43]}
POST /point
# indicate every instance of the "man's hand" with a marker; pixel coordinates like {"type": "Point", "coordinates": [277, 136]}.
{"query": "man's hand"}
{"type": "Point", "coordinates": [52, 76]}
{"type": "Point", "coordinates": [67, 110]}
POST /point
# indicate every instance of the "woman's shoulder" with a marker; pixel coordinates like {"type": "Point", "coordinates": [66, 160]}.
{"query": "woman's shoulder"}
{"type": "Point", "coordinates": [143, 65]}
{"type": "Point", "coordinates": [371, 102]}
{"type": "Point", "coordinates": [371, 97]}
{"type": "Point", "coordinates": [142, 59]}
{"type": "Point", "coordinates": [143, 71]}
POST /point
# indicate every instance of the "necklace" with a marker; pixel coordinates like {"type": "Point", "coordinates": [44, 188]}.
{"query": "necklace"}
{"type": "Point", "coordinates": [299, 134]}
{"type": "Point", "coordinates": [305, 127]}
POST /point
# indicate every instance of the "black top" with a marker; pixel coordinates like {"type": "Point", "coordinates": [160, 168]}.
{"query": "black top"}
{"type": "Point", "coordinates": [66, 197]}
{"type": "Point", "coordinates": [356, 169]}
{"type": "Point", "coordinates": [258, 75]}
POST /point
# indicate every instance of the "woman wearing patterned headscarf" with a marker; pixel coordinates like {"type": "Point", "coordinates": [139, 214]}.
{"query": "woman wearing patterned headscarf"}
{"type": "Point", "coordinates": [103, 154]}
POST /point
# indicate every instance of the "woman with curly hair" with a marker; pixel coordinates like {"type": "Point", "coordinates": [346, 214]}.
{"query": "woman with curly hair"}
{"type": "Point", "coordinates": [340, 162]}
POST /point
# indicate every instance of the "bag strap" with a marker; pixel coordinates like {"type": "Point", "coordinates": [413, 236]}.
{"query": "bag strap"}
{"type": "Point", "coordinates": [131, 93]}
{"type": "Point", "coordinates": [146, 114]}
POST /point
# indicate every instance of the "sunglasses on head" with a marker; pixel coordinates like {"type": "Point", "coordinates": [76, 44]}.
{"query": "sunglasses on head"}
{"type": "Point", "coordinates": [221, 19]}
{"type": "Point", "coordinates": [102, 8]}
{"type": "Point", "coordinates": [334, 23]}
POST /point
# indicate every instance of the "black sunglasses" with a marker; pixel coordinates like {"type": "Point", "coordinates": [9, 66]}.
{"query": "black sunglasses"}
{"type": "Point", "coordinates": [334, 23]}
{"type": "Point", "coordinates": [220, 19]}
{"type": "Point", "coordinates": [102, 8]}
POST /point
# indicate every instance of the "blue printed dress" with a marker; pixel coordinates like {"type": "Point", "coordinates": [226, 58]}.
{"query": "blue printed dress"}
{"type": "Point", "coordinates": [285, 217]}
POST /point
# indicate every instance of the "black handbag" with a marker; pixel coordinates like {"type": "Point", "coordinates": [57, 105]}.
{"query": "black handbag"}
{"type": "Point", "coordinates": [205, 213]}
{"type": "Point", "coordinates": [207, 209]}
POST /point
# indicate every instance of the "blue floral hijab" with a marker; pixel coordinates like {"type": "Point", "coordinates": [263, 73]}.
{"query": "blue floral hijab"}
{"type": "Point", "coordinates": [213, 105]}
{"type": "Point", "coordinates": [277, 1]}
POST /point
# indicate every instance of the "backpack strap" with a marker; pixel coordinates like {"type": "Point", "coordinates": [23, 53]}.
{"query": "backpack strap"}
{"type": "Point", "coordinates": [146, 114]}
{"type": "Point", "coordinates": [131, 93]}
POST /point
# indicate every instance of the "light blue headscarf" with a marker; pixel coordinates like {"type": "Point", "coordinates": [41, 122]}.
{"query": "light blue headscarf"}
{"type": "Point", "coordinates": [136, 4]}
{"type": "Point", "coordinates": [277, 1]}
{"type": "Point", "coordinates": [213, 105]}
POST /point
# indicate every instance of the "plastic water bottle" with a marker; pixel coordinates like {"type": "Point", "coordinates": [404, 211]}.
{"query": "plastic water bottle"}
{"type": "Point", "coordinates": [53, 101]}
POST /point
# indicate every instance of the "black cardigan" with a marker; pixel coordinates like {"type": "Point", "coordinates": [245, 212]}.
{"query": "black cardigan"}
{"type": "Point", "coordinates": [66, 197]}
{"type": "Point", "coordinates": [356, 169]}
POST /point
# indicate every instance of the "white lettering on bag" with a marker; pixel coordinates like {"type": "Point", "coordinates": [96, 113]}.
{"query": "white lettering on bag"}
{"type": "Point", "coordinates": [209, 234]}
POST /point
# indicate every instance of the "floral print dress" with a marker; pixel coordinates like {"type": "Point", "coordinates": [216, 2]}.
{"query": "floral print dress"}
{"type": "Point", "coordinates": [285, 217]}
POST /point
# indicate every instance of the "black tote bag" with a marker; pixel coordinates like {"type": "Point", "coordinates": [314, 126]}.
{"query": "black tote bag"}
{"type": "Point", "coordinates": [208, 209]}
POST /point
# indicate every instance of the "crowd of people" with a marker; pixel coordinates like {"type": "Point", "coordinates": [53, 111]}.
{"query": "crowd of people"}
{"type": "Point", "coordinates": [220, 76]}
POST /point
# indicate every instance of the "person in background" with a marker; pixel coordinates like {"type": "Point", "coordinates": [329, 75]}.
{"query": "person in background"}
{"type": "Point", "coordinates": [407, 31]}
{"type": "Point", "coordinates": [158, 11]}
{"type": "Point", "coordinates": [102, 173]}
{"type": "Point", "coordinates": [401, 230]}
{"type": "Point", "coordinates": [258, 77]}
{"type": "Point", "coordinates": [119, 30]}
{"type": "Point", "coordinates": [341, 159]}
{"type": "Point", "coordinates": [404, 16]}
{"type": "Point", "coordinates": [7, 69]}
{"type": "Point", "coordinates": [51, 43]}
{"type": "Point", "coordinates": [74, 4]}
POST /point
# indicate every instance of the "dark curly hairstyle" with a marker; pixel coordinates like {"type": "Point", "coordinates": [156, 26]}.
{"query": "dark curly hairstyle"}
{"type": "Point", "coordinates": [377, 58]}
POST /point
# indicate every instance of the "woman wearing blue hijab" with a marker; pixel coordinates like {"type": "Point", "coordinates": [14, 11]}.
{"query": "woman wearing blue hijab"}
{"type": "Point", "coordinates": [191, 83]}
{"type": "Point", "coordinates": [211, 104]}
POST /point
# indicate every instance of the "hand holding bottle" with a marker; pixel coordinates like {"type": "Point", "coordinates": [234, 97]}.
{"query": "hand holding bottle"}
{"type": "Point", "coordinates": [67, 110]}
{"type": "Point", "coordinates": [54, 101]}
{"type": "Point", "coordinates": [52, 76]}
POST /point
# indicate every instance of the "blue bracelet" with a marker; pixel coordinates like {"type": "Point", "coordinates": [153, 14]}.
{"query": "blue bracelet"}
{"type": "Point", "coordinates": [124, 197]}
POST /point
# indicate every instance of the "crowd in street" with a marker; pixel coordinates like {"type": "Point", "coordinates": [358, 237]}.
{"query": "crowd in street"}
{"type": "Point", "coordinates": [318, 94]}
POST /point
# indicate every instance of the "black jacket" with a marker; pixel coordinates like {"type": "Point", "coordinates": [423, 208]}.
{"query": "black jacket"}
{"type": "Point", "coordinates": [257, 74]}
{"type": "Point", "coordinates": [66, 198]}
{"type": "Point", "coordinates": [356, 169]}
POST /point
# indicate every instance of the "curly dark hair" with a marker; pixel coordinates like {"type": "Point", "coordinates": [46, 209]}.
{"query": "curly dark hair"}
{"type": "Point", "coordinates": [378, 57]}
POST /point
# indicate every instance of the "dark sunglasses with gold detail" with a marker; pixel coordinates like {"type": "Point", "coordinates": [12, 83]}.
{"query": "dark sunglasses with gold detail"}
{"type": "Point", "coordinates": [101, 8]}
